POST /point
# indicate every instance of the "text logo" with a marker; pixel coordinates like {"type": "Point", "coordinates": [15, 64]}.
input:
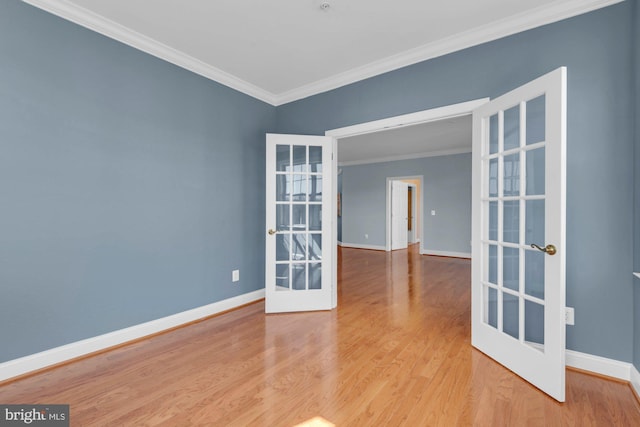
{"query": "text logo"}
{"type": "Point", "coordinates": [34, 415]}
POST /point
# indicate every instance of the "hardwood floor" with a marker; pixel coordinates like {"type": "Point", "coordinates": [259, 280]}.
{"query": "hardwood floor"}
{"type": "Point", "coordinates": [396, 352]}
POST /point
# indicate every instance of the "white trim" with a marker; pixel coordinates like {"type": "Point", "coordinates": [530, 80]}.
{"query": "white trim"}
{"type": "Point", "coordinates": [424, 116]}
{"type": "Point", "coordinates": [408, 156]}
{"type": "Point", "coordinates": [446, 253]}
{"type": "Point", "coordinates": [637, 275]}
{"type": "Point", "coordinates": [634, 381]}
{"type": "Point", "coordinates": [88, 19]}
{"type": "Point", "coordinates": [33, 362]}
{"type": "Point", "coordinates": [511, 25]}
{"type": "Point", "coordinates": [599, 365]}
{"type": "Point", "coordinates": [527, 20]}
{"type": "Point", "coordinates": [359, 246]}
{"type": "Point", "coordinates": [334, 222]}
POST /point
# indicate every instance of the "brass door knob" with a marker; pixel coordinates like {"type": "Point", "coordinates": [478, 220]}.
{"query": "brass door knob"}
{"type": "Point", "coordinates": [549, 249]}
{"type": "Point", "coordinates": [271, 231]}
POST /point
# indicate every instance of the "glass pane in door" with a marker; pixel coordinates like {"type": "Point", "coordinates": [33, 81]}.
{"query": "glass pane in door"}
{"type": "Point", "coordinates": [536, 120]}
{"type": "Point", "coordinates": [534, 324]}
{"type": "Point", "coordinates": [512, 128]}
{"type": "Point", "coordinates": [510, 315]}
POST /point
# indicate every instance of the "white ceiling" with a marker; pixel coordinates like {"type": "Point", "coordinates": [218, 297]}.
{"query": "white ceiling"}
{"type": "Point", "coordinates": [447, 136]}
{"type": "Point", "coordinates": [283, 50]}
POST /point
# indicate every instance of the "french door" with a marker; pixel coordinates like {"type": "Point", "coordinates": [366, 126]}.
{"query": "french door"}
{"type": "Point", "coordinates": [299, 217]}
{"type": "Point", "coordinates": [518, 267]}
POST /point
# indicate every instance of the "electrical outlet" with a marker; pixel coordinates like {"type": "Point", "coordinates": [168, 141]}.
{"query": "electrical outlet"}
{"type": "Point", "coordinates": [433, 212]}
{"type": "Point", "coordinates": [235, 275]}
{"type": "Point", "coordinates": [366, 236]}
{"type": "Point", "coordinates": [569, 316]}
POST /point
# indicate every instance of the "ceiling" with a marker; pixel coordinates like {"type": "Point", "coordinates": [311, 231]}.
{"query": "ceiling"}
{"type": "Point", "coordinates": [436, 138]}
{"type": "Point", "coordinates": [283, 50]}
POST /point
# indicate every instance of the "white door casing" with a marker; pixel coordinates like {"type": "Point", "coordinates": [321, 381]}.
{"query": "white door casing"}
{"type": "Point", "coordinates": [518, 199]}
{"type": "Point", "coordinates": [300, 217]}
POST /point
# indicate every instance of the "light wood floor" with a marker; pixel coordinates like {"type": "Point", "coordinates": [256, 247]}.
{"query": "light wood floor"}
{"type": "Point", "coordinates": [396, 352]}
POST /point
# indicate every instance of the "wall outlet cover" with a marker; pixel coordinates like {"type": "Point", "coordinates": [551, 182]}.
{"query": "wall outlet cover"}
{"type": "Point", "coordinates": [570, 316]}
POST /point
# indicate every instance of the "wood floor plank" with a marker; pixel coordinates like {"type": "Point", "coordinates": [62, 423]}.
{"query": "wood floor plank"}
{"type": "Point", "coordinates": [396, 352]}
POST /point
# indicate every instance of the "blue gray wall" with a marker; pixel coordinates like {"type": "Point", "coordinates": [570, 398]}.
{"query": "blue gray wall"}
{"type": "Point", "coordinates": [596, 49]}
{"type": "Point", "coordinates": [636, 216]}
{"type": "Point", "coordinates": [447, 190]}
{"type": "Point", "coordinates": [130, 188]}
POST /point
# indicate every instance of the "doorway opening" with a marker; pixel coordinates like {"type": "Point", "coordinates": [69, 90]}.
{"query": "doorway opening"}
{"type": "Point", "coordinates": [392, 123]}
{"type": "Point", "coordinates": [402, 232]}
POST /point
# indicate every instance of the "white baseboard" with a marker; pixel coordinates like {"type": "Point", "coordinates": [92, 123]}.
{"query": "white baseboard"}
{"type": "Point", "coordinates": [33, 362]}
{"type": "Point", "coordinates": [446, 253]}
{"type": "Point", "coordinates": [359, 246]}
{"type": "Point", "coordinates": [599, 365]}
{"type": "Point", "coordinates": [635, 380]}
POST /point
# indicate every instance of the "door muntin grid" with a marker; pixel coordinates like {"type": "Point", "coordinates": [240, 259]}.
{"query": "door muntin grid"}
{"type": "Point", "coordinates": [299, 192]}
{"type": "Point", "coordinates": [513, 197]}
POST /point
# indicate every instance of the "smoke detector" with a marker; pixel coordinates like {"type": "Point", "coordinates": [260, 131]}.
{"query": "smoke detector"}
{"type": "Point", "coordinates": [325, 5]}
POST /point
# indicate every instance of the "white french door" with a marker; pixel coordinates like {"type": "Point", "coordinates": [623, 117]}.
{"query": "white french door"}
{"type": "Point", "coordinates": [518, 267]}
{"type": "Point", "coordinates": [299, 216]}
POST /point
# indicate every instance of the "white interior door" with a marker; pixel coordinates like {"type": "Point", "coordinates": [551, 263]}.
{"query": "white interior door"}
{"type": "Point", "coordinates": [299, 216]}
{"type": "Point", "coordinates": [518, 291]}
{"type": "Point", "coordinates": [399, 214]}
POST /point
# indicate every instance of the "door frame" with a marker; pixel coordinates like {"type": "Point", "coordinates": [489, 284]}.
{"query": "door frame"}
{"type": "Point", "coordinates": [389, 205]}
{"type": "Point", "coordinates": [419, 117]}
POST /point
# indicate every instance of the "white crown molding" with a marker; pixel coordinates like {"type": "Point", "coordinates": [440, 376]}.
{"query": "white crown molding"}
{"type": "Point", "coordinates": [65, 353]}
{"type": "Point", "coordinates": [406, 157]}
{"type": "Point", "coordinates": [524, 21]}
{"type": "Point", "coordinates": [85, 18]}
{"type": "Point", "coordinates": [534, 18]}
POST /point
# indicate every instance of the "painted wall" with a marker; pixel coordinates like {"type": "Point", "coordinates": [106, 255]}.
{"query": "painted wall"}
{"type": "Point", "coordinates": [596, 49]}
{"type": "Point", "coordinates": [447, 189]}
{"type": "Point", "coordinates": [636, 216]}
{"type": "Point", "coordinates": [130, 188]}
